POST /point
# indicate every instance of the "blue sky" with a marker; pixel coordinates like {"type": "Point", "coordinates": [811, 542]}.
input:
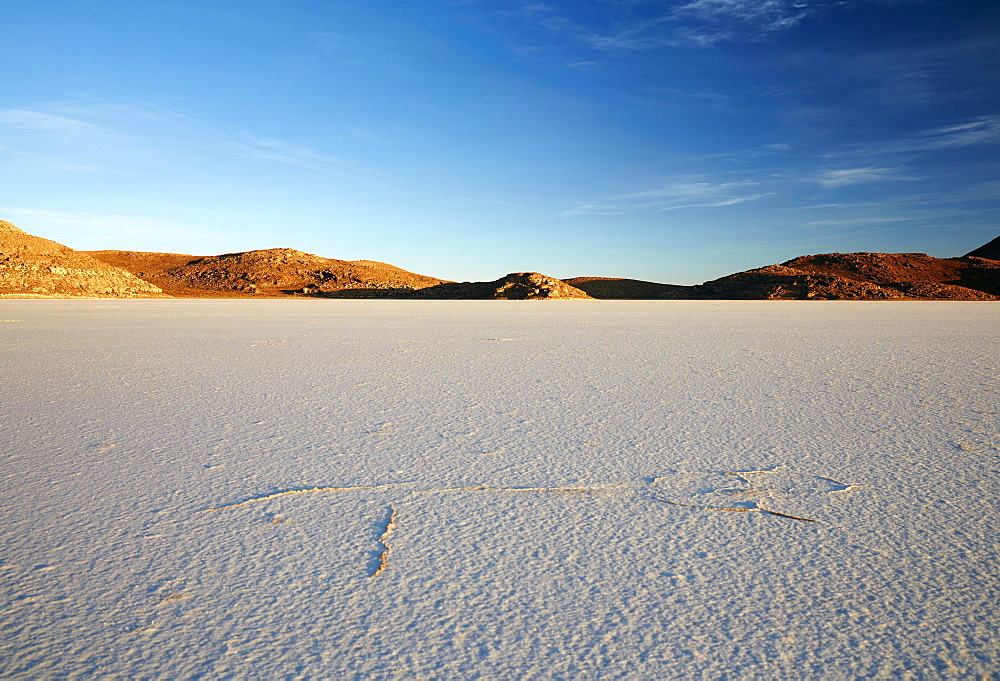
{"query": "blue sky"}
{"type": "Point", "coordinates": [674, 141]}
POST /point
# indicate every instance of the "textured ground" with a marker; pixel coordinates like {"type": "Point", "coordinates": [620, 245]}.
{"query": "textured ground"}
{"type": "Point", "coordinates": [435, 489]}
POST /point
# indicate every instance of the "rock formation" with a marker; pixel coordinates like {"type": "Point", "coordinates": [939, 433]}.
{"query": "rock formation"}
{"type": "Point", "coordinates": [32, 267]}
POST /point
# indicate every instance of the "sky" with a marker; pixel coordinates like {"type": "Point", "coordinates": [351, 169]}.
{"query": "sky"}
{"type": "Point", "coordinates": [666, 140]}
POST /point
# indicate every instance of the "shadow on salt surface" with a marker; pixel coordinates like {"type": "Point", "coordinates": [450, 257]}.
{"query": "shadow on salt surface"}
{"type": "Point", "coordinates": [779, 492]}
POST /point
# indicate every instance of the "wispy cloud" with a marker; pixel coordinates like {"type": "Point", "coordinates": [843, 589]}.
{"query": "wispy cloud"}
{"type": "Point", "coordinates": [706, 22]}
{"type": "Point", "coordinates": [850, 222]}
{"type": "Point", "coordinates": [597, 209]}
{"type": "Point", "coordinates": [22, 125]}
{"type": "Point", "coordinates": [290, 153]}
{"type": "Point", "coordinates": [58, 142]}
{"type": "Point", "coordinates": [374, 136]}
{"type": "Point", "coordinates": [978, 132]}
{"type": "Point", "coordinates": [45, 123]}
{"type": "Point", "coordinates": [694, 23]}
{"type": "Point", "coordinates": [849, 176]}
{"type": "Point", "coordinates": [675, 196]}
{"type": "Point", "coordinates": [98, 134]}
{"type": "Point", "coordinates": [717, 203]}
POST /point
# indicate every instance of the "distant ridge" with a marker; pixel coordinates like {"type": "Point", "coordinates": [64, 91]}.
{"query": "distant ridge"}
{"type": "Point", "coordinates": [33, 267]}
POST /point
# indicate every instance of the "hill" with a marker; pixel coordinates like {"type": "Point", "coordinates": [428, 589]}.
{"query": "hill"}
{"type": "Point", "coordinates": [269, 272]}
{"type": "Point", "coordinates": [31, 266]}
{"type": "Point", "coordinates": [859, 276]}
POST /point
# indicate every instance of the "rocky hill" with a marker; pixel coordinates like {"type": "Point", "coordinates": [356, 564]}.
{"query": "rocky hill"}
{"type": "Point", "coordinates": [33, 267]}
{"type": "Point", "coordinates": [859, 276]}
{"type": "Point", "coordinates": [270, 272]}
{"type": "Point", "coordinates": [514, 286]}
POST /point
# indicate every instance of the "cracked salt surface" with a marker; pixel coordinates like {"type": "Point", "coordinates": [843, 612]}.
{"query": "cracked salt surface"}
{"type": "Point", "coordinates": [622, 493]}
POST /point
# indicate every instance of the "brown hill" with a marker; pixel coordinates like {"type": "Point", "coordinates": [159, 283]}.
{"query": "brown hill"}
{"type": "Point", "coordinates": [34, 267]}
{"type": "Point", "coordinates": [622, 289]}
{"type": "Point", "coordinates": [514, 286]}
{"type": "Point", "coordinates": [860, 276]}
{"type": "Point", "coordinates": [270, 272]}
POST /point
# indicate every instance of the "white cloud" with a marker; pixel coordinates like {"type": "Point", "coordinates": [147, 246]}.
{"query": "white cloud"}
{"type": "Point", "coordinates": [374, 136]}
{"type": "Point", "coordinates": [717, 203]}
{"type": "Point", "coordinates": [21, 124]}
{"type": "Point", "coordinates": [690, 23]}
{"type": "Point", "coordinates": [101, 135]}
{"type": "Point", "coordinates": [980, 131]}
{"type": "Point", "coordinates": [595, 209]}
{"type": "Point", "coordinates": [706, 22]}
{"type": "Point", "coordinates": [686, 190]}
{"type": "Point", "coordinates": [37, 121]}
{"type": "Point", "coordinates": [290, 153]}
{"type": "Point", "coordinates": [850, 222]}
{"type": "Point", "coordinates": [684, 193]}
{"type": "Point", "coordinates": [848, 176]}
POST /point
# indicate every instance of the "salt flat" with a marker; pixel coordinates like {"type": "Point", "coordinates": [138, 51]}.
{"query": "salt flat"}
{"type": "Point", "coordinates": [437, 489]}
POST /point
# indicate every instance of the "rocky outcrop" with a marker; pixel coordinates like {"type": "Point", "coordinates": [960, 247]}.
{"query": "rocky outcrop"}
{"type": "Point", "coordinates": [32, 267]}
{"type": "Point", "coordinates": [514, 286]}
{"type": "Point", "coordinates": [269, 272]}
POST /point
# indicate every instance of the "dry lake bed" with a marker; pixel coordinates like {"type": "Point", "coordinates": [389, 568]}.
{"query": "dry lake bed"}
{"type": "Point", "coordinates": [443, 489]}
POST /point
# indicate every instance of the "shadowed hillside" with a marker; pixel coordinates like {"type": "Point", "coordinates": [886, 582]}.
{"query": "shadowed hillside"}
{"type": "Point", "coordinates": [622, 289]}
{"type": "Point", "coordinates": [989, 250]}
